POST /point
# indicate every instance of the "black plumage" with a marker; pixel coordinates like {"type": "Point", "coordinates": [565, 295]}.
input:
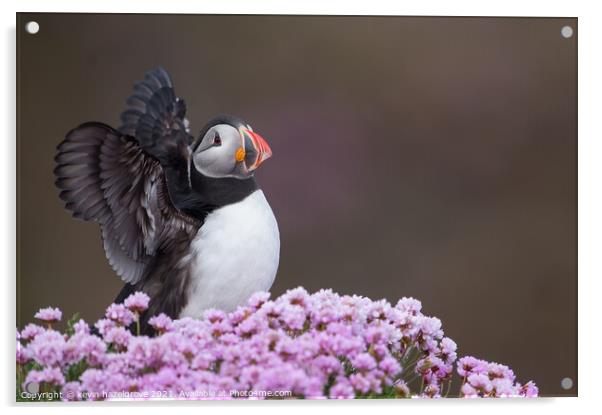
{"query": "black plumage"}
{"type": "Point", "coordinates": [106, 178]}
{"type": "Point", "coordinates": [138, 185]}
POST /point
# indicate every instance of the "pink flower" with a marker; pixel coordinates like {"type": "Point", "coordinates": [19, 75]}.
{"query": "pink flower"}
{"type": "Point", "coordinates": [104, 325]}
{"type": "Point", "coordinates": [497, 371]}
{"type": "Point", "coordinates": [48, 375]}
{"type": "Point", "coordinates": [365, 383]}
{"type": "Point", "coordinates": [432, 390]}
{"type": "Point", "coordinates": [503, 387]}
{"type": "Point", "coordinates": [118, 336]}
{"type": "Point", "coordinates": [95, 381]}
{"type": "Point", "coordinates": [23, 354]}
{"type": "Point", "coordinates": [390, 366]}
{"type": "Point", "coordinates": [161, 323]}
{"type": "Point", "coordinates": [297, 296]}
{"type": "Point", "coordinates": [480, 382]}
{"type": "Point", "coordinates": [137, 302]}
{"type": "Point", "coordinates": [342, 389]}
{"type": "Point", "coordinates": [468, 391]}
{"type": "Point", "coordinates": [47, 348]}
{"type": "Point", "coordinates": [409, 305]}
{"type": "Point", "coordinates": [49, 314]}
{"type": "Point", "coordinates": [84, 346]}
{"type": "Point", "coordinates": [448, 350]}
{"type": "Point", "coordinates": [258, 299]}
{"type": "Point", "coordinates": [363, 362]}
{"type": "Point", "coordinates": [468, 365]}
{"type": "Point", "coordinates": [529, 390]}
{"type": "Point", "coordinates": [72, 391]}
{"type": "Point", "coordinates": [81, 327]}
{"type": "Point", "coordinates": [313, 346]}
{"type": "Point", "coordinates": [328, 365]}
{"type": "Point", "coordinates": [31, 331]}
{"type": "Point", "coordinates": [120, 314]}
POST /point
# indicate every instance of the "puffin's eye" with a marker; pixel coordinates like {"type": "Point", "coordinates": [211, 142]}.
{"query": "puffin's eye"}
{"type": "Point", "coordinates": [217, 141]}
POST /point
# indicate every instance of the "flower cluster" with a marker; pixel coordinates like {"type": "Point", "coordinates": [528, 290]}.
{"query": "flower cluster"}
{"type": "Point", "coordinates": [487, 379]}
{"type": "Point", "coordinates": [322, 345]}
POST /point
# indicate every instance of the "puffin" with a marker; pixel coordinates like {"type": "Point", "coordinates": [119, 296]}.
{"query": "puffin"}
{"type": "Point", "coordinates": [182, 218]}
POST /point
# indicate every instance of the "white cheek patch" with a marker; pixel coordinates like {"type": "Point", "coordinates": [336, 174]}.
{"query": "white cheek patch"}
{"type": "Point", "coordinates": [215, 162]}
{"type": "Point", "coordinates": [203, 164]}
{"type": "Point", "coordinates": [220, 161]}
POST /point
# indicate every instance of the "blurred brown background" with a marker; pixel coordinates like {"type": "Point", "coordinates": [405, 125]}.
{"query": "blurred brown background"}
{"type": "Point", "coordinates": [425, 157]}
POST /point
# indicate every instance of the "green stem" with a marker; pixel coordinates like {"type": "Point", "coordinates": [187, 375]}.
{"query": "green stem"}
{"type": "Point", "coordinates": [19, 376]}
{"type": "Point", "coordinates": [448, 388]}
{"type": "Point", "coordinates": [409, 382]}
{"type": "Point", "coordinates": [463, 382]}
{"type": "Point", "coordinates": [406, 354]}
{"type": "Point", "coordinates": [409, 366]}
{"type": "Point", "coordinates": [137, 324]}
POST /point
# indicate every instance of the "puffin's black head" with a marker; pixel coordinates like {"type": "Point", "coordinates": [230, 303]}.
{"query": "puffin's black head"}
{"type": "Point", "coordinates": [228, 147]}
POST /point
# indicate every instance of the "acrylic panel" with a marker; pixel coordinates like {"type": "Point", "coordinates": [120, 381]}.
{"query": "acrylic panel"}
{"type": "Point", "coordinates": [404, 187]}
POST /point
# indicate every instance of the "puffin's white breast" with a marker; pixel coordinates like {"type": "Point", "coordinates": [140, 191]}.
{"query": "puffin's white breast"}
{"type": "Point", "coordinates": [234, 254]}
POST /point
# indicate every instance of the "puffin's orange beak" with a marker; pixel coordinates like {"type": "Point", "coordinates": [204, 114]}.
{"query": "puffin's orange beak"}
{"type": "Point", "coordinates": [257, 149]}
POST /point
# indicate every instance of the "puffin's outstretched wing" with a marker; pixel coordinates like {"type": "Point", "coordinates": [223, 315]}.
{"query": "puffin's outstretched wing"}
{"type": "Point", "coordinates": [105, 176]}
{"type": "Point", "coordinates": [153, 108]}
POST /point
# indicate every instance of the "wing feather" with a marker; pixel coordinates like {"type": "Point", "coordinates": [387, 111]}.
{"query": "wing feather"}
{"type": "Point", "coordinates": [103, 176]}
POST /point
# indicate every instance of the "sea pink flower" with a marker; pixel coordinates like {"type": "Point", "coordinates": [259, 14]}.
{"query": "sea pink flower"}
{"type": "Point", "coordinates": [104, 325]}
{"type": "Point", "coordinates": [96, 382]}
{"type": "Point", "coordinates": [503, 387]}
{"type": "Point", "coordinates": [297, 296]}
{"type": "Point", "coordinates": [258, 299]}
{"type": "Point", "coordinates": [497, 371]}
{"type": "Point", "coordinates": [120, 314]}
{"type": "Point", "coordinates": [468, 391]}
{"type": "Point", "coordinates": [137, 302]}
{"type": "Point", "coordinates": [410, 305]}
{"type": "Point", "coordinates": [448, 350]}
{"type": "Point", "coordinates": [23, 354]}
{"type": "Point", "coordinates": [432, 390]}
{"type": "Point", "coordinates": [468, 365]}
{"type": "Point", "coordinates": [316, 346]}
{"type": "Point", "coordinates": [390, 366]}
{"type": "Point", "coordinates": [84, 346]}
{"type": "Point", "coordinates": [161, 323]}
{"type": "Point", "coordinates": [47, 348]}
{"type": "Point", "coordinates": [49, 314]}
{"type": "Point", "coordinates": [365, 383]}
{"type": "Point", "coordinates": [31, 331]}
{"type": "Point", "coordinates": [81, 327]}
{"type": "Point", "coordinates": [529, 390]}
{"type": "Point", "coordinates": [119, 336]}
{"type": "Point", "coordinates": [363, 362]}
{"type": "Point", "coordinates": [72, 391]}
{"type": "Point", "coordinates": [48, 375]}
{"type": "Point", "coordinates": [342, 389]}
{"type": "Point", "coordinates": [480, 382]}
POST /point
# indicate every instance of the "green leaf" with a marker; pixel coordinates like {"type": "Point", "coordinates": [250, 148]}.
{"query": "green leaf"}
{"type": "Point", "coordinates": [75, 370]}
{"type": "Point", "coordinates": [70, 323]}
